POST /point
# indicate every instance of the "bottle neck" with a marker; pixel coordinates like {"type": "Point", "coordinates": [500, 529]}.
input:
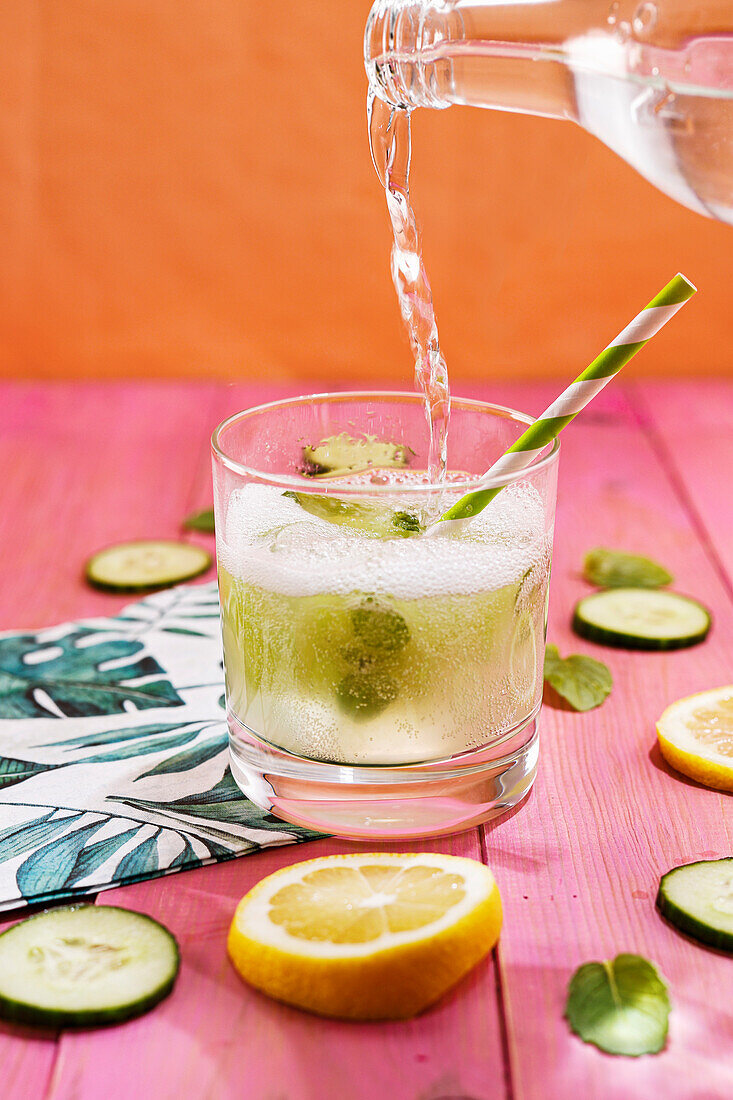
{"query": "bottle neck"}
{"type": "Point", "coordinates": [436, 53]}
{"type": "Point", "coordinates": [520, 55]}
{"type": "Point", "coordinates": [407, 44]}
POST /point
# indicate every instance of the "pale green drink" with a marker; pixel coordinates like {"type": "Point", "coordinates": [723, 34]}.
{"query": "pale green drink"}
{"type": "Point", "coordinates": [351, 638]}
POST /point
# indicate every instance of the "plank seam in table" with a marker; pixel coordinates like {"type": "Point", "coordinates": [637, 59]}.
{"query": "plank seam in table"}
{"type": "Point", "coordinates": [666, 459]}
{"type": "Point", "coordinates": [503, 1026]}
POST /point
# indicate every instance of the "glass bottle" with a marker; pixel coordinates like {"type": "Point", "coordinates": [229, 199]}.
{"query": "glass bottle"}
{"type": "Point", "coordinates": [652, 79]}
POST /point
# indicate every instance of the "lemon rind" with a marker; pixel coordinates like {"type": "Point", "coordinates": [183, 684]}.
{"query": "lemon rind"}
{"type": "Point", "coordinates": [395, 981]}
{"type": "Point", "coordinates": [684, 752]}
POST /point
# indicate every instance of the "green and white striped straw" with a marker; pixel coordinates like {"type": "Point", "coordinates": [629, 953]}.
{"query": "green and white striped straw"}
{"type": "Point", "coordinates": [567, 406]}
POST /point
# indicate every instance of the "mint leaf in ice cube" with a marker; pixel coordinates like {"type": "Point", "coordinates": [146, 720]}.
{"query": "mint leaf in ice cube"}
{"type": "Point", "coordinates": [379, 628]}
{"type": "Point", "coordinates": [366, 693]}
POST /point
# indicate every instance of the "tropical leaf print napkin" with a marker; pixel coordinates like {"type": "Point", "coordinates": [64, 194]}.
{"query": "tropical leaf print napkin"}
{"type": "Point", "coordinates": [113, 752]}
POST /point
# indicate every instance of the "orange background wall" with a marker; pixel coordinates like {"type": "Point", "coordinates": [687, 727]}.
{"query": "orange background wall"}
{"type": "Point", "coordinates": [186, 190]}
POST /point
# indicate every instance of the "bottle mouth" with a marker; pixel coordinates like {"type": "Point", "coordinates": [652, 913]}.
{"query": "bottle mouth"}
{"type": "Point", "coordinates": [380, 62]}
{"type": "Point", "coordinates": [397, 34]}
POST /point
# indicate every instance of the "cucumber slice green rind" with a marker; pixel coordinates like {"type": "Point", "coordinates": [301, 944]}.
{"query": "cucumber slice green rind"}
{"type": "Point", "coordinates": [19, 1012]}
{"type": "Point", "coordinates": [686, 899]}
{"type": "Point", "coordinates": [627, 641]}
{"type": "Point", "coordinates": [148, 564]}
{"type": "Point", "coordinates": [45, 1004]}
{"type": "Point", "coordinates": [625, 618]}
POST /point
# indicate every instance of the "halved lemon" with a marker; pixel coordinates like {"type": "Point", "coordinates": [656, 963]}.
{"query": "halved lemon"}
{"type": "Point", "coordinates": [366, 936]}
{"type": "Point", "coordinates": [696, 737]}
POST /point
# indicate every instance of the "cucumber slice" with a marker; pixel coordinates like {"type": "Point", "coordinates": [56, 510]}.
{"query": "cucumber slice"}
{"type": "Point", "coordinates": [139, 566]}
{"type": "Point", "coordinates": [641, 618]}
{"type": "Point", "coordinates": [698, 899]}
{"type": "Point", "coordinates": [85, 966]}
{"type": "Point", "coordinates": [343, 454]}
{"type": "Point", "coordinates": [375, 519]}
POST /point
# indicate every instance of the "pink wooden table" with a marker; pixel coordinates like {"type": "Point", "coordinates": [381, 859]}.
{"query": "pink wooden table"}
{"type": "Point", "coordinates": [647, 468]}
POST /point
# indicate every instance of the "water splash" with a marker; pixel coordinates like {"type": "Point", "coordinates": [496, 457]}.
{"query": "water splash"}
{"type": "Point", "coordinates": [645, 19]}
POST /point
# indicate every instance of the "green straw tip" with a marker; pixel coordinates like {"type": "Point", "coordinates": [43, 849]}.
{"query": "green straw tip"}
{"type": "Point", "coordinates": [686, 281]}
{"type": "Point", "coordinates": [677, 291]}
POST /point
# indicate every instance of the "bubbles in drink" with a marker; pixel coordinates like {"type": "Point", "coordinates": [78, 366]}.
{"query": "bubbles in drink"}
{"type": "Point", "coordinates": [271, 541]}
{"type": "Point", "coordinates": [343, 646]}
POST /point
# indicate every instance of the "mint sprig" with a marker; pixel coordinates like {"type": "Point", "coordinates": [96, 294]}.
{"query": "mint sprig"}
{"type": "Point", "coordinates": [581, 681]}
{"type": "Point", "coordinates": [620, 1005]}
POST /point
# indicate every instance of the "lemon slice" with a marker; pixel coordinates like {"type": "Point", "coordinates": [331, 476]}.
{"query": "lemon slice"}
{"type": "Point", "coordinates": [696, 737]}
{"type": "Point", "coordinates": [366, 936]}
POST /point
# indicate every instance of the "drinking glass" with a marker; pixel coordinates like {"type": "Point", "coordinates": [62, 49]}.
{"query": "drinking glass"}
{"type": "Point", "coordinates": [381, 681]}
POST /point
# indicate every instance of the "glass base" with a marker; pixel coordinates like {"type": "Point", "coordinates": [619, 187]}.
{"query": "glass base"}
{"type": "Point", "coordinates": [379, 802]}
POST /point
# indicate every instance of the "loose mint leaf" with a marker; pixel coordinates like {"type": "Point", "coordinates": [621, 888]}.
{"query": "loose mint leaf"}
{"type": "Point", "coordinates": [581, 681]}
{"type": "Point", "coordinates": [616, 569]}
{"type": "Point", "coordinates": [200, 521]}
{"type": "Point", "coordinates": [620, 1005]}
